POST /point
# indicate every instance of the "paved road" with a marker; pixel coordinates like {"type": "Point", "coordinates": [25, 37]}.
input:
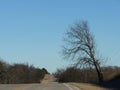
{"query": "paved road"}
{"type": "Point", "coordinates": [45, 86]}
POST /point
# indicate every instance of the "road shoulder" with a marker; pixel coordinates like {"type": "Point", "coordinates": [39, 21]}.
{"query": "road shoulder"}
{"type": "Point", "coordinates": [86, 86]}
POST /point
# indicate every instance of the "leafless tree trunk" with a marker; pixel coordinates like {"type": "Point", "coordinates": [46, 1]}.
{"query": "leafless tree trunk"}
{"type": "Point", "coordinates": [80, 46]}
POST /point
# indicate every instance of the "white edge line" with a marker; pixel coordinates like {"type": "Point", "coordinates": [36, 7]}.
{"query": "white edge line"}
{"type": "Point", "coordinates": [76, 88]}
{"type": "Point", "coordinates": [67, 86]}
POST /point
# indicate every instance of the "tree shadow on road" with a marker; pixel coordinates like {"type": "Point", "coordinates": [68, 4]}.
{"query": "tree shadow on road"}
{"type": "Point", "coordinates": [113, 84]}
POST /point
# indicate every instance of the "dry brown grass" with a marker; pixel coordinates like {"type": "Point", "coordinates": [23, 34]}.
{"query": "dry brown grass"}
{"type": "Point", "coordinates": [86, 86]}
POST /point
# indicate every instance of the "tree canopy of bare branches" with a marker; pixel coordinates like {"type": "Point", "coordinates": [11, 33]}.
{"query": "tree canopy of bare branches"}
{"type": "Point", "coordinates": [80, 46]}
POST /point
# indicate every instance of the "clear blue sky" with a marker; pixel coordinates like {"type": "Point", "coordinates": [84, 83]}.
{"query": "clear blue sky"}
{"type": "Point", "coordinates": [31, 31]}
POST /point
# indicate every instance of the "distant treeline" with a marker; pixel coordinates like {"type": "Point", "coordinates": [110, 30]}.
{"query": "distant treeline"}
{"type": "Point", "coordinates": [86, 75]}
{"type": "Point", "coordinates": [20, 73]}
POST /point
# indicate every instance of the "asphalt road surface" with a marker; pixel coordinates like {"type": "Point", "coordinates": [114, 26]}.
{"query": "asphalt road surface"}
{"type": "Point", "coordinates": [44, 86]}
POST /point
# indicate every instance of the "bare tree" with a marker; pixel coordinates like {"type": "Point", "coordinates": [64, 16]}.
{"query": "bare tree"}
{"type": "Point", "coordinates": [80, 46]}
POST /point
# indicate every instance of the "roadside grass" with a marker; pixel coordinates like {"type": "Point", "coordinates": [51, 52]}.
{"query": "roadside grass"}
{"type": "Point", "coordinates": [86, 86]}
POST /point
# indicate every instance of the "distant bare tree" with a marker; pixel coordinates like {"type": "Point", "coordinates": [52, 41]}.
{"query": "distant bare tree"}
{"type": "Point", "coordinates": [80, 46]}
